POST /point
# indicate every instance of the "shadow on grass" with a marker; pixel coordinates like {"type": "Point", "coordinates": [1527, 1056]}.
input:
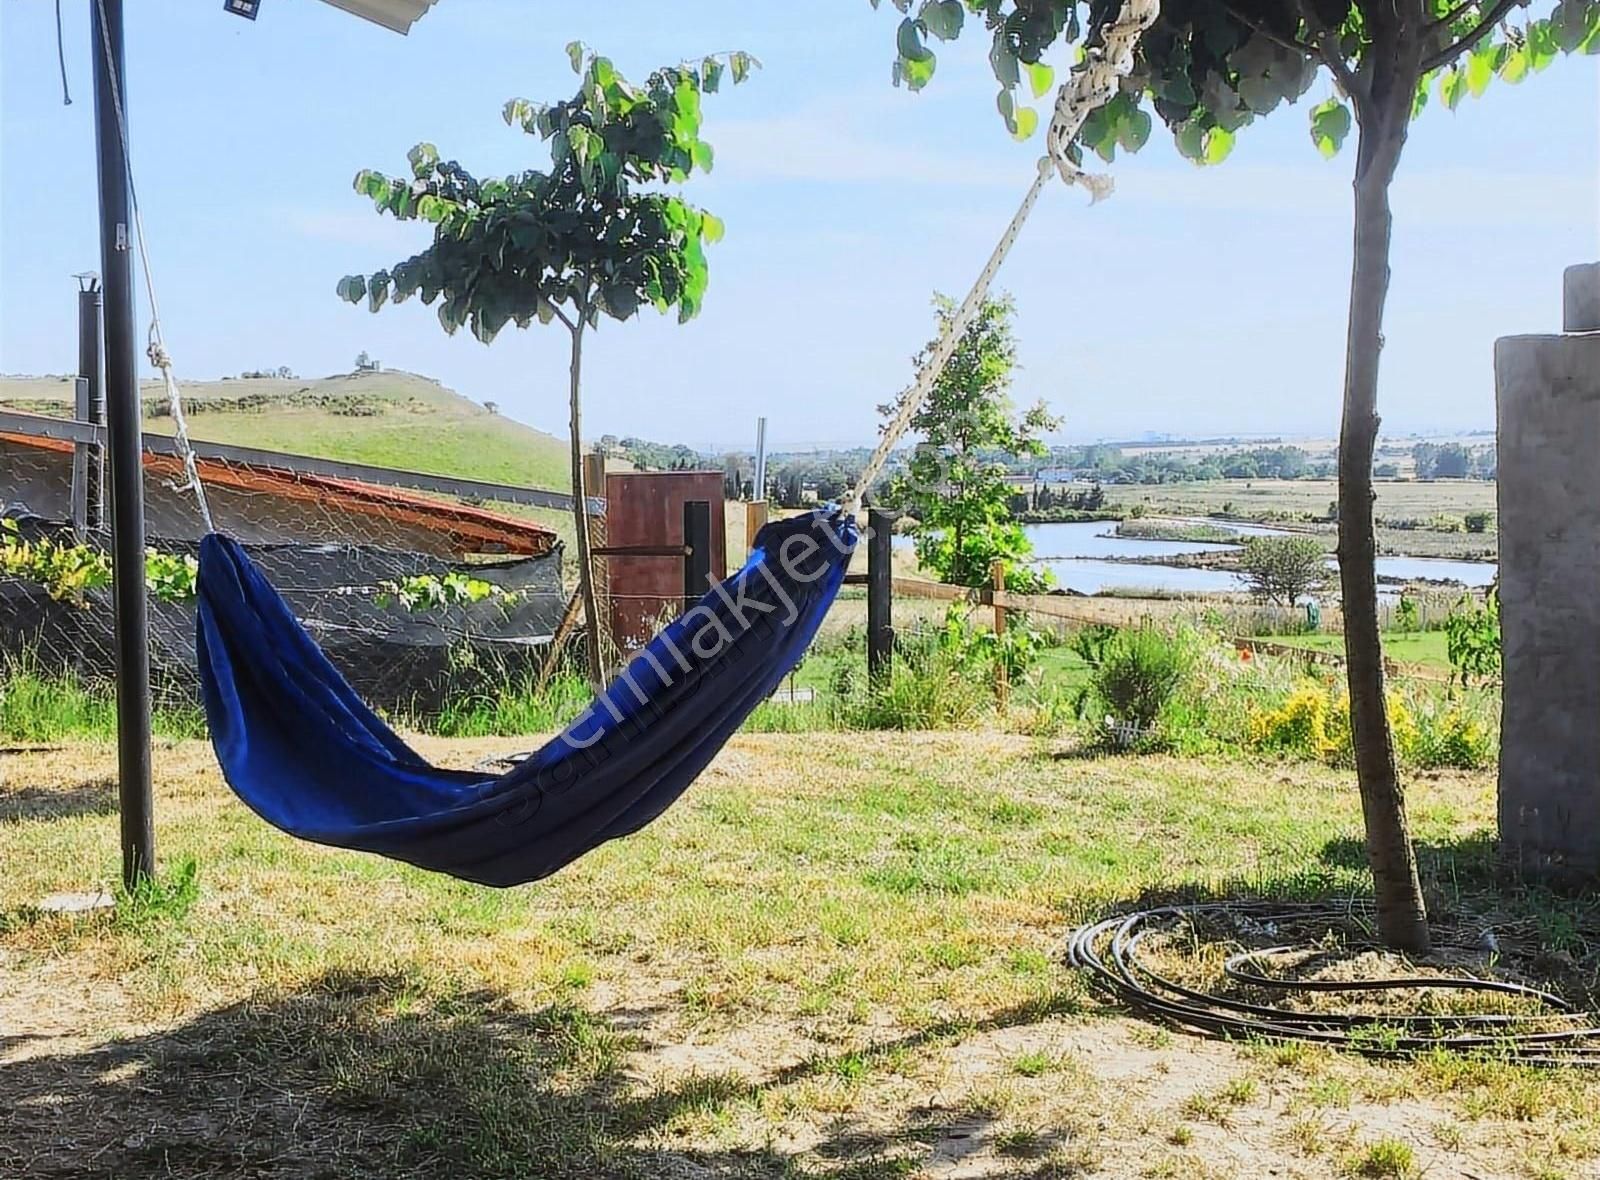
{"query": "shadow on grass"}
{"type": "Point", "coordinates": [98, 797]}
{"type": "Point", "coordinates": [366, 1076]}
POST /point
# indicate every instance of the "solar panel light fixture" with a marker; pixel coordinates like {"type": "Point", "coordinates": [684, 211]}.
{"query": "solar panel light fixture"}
{"type": "Point", "coordinates": [244, 8]}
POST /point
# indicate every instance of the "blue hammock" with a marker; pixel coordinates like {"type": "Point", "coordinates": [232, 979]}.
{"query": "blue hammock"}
{"type": "Point", "coordinates": [298, 745]}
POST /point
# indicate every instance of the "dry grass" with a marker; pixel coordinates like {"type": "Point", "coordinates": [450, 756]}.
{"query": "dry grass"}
{"type": "Point", "coordinates": [834, 959]}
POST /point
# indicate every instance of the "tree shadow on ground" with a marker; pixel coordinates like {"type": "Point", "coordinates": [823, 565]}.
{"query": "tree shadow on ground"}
{"type": "Point", "coordinates": [94, 797]}
{"type": "Point", "coordinates": [363, 1076]}
{"type": "Point", "coordinates": [1533, 932]}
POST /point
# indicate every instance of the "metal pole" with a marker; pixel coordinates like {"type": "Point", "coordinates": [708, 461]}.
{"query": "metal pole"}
{"type": "Point", "coordinates": [759, 490]}
{"type": "Point", "coordinates": [91, 370]}
{"type": "Point", "coordinates": [122, 412]}
{"type": "Point", "coordinates": [880, 596]}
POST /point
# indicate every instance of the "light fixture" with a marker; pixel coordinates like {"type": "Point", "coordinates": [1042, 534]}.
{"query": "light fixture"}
{"type": "Point", "coordinates": [244, 8]}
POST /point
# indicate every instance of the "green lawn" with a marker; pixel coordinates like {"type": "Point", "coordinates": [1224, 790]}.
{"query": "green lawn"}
{"type": "Point", "coordinates": [1423, 648]}
{"type": "Point", "coordinates": [838, 957]}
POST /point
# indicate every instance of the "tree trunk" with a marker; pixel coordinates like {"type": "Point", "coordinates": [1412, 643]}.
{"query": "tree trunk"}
{"type": "Point", "coordinates": [1402, 917]}
{"type": "Point", "coordinates": [580, 513]}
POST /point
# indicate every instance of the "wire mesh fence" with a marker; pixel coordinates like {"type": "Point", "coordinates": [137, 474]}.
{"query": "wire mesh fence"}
{"type": "Point", "coordinates": [417, 596]}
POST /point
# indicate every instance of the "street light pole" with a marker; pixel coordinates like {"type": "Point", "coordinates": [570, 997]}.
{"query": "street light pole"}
{"type": "Point", "coordinates": [123, 430]}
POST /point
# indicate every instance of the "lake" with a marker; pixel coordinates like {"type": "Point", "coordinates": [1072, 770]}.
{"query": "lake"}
{"type": "Point", "coordinates": [1077, 555]}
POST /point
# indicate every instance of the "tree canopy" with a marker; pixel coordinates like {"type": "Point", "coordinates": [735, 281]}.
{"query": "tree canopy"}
{"type": "Point", "coordinates": [952, 484]}
{"type": "Point", "coordinates": [581, 237]}
{"type": "Point", "coordinates": [1208, 68]}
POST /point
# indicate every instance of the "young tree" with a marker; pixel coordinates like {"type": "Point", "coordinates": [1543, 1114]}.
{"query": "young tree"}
{"type": "Point", "coordinates": [1283, 569]}
{"type": "Point", "coordinates": [1209, 67]}
{"type": "Point", "coordinates": [584, 238]}
{"type": "Point", "coordinates": [953, 486]}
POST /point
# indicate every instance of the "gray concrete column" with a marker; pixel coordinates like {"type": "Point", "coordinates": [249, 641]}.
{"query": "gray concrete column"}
{"type": "Point", "coordinates": [1548, 419]}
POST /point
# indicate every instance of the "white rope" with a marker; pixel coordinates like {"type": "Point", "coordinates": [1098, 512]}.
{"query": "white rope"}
{"type": "Point", "coordinates": [1092, 84]}
{"type": "Point", "coordinates": [156, 349]}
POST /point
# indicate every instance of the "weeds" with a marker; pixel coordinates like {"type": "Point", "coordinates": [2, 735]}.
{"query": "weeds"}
{"type": "Point", "coordinates": [1385, 1159]}
{"type": "Point", "coordinates": [38, 705]}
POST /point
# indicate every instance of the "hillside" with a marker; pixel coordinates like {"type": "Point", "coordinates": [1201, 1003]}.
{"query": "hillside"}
{"type": "Point", "coordinates": [388, 419]}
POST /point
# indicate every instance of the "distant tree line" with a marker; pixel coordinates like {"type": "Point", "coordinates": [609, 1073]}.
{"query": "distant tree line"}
{"type": "Point", "coordinates": [1070, 478]}
{"type": "Point", "coordinates": [1453, 461]}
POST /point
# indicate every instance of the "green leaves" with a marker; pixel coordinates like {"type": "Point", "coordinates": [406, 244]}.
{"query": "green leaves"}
{"type": "Point", "coordinates": [943, 18]}
{"type": "Point", "coordinates": [1040, 78]}
{"type": "Point", "coordinates": [916, 62]}
{"type": "Point", "coordinates": [1202, 144]}
{"type": "Point", "coordinates": [1453, 87]}
{"type": "Point", "coordinates": [1515, 66]}
{"type": "Point", "coordinates": [1480, 69]}
{"type": "Point", "coordinates": [590, 234]}
{"type": "Point", "coordinates": [1218, 146]}
{"type": "Point", "coordinates": [424, 158]}
{"type": "Point", "coordinates": [1330, 125]}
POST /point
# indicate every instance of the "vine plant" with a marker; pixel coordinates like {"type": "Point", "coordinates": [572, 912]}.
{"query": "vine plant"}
{"type": "Point", "coordinates": [594, 234]}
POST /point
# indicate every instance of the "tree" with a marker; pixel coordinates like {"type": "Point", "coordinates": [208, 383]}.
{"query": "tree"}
{"type": "Point", "coordinates": [1209, 67]}
{"type": "Point", "coordinates": [1452, 462]}
{"type": "Point", "coordinates": [568, 244]}
{"type": "Point", "coordinates": [953, 485]}
{"type": "Point", "coordinates": [1283, 569]}
{"type": "Point", "coordinates": [1425, 460]}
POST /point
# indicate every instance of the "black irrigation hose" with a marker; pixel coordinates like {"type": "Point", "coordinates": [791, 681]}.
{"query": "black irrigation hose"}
{"type": "Point", "coordinates": [1109, 950]}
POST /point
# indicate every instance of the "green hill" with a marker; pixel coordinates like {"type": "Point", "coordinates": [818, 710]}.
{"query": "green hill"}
{"type": "Point", "coordinates": [388, 419]}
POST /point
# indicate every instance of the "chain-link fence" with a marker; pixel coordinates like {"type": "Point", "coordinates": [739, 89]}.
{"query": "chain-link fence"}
{"type": "Point", "coordinates": [418, 588]}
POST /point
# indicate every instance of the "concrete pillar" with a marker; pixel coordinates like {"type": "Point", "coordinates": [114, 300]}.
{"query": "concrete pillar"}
{"type": "Point", "coordinates": [1580, 302]}
{"type": "Point", "coordinates": [1548, 419]}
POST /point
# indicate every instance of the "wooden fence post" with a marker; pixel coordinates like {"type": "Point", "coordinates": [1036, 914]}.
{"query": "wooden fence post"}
{"type": "Point", "coordinates": [880, 596]}
{"type": "Point", "coordinates": [755, 516]}
{"type": "Point", "coordinates": [1002, 688]}
{"type": "Point", "coordinates": [594, 483]}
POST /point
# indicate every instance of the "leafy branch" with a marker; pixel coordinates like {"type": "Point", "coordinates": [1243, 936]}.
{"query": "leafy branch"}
{"type": "Point", "coordinates": [422, 592]}
{"type": "Point", "coordinates": [69, 572]}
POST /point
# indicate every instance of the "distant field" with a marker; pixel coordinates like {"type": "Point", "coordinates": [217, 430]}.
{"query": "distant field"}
{"type": "Point", "coordinates": [389, 419]}
{"type": "Point", "coordinates": [1290, 500]}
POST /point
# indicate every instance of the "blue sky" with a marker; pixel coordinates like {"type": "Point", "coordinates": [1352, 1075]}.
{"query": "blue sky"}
{"type": "Point", "coordinates": [1196, 301]}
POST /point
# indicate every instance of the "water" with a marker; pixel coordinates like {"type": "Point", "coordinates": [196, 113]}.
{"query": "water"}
{"type": "Point", "coordinates": [1076, 554]}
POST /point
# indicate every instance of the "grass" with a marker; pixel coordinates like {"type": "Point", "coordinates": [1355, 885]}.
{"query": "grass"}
{"type": "Point", "coordinates": [1386, 1159]}
{"type": "Point", "coordinates": [412, 423]}
{"type": "Point", "coordinates": [38, 706]}
{"type": "Point", "coordinates": [770, 982]}
{"type": "Point", "coordinates": [1174, 530]}
{"type": "Point", "coordinates": [1423, 649]}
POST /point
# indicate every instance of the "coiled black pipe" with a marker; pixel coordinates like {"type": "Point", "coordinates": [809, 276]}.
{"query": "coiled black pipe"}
{"type": "Point", "coordinates": [1109, 950]}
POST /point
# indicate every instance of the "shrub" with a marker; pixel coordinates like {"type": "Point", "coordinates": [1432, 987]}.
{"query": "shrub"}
{"type": "Point", "coordinates": [1446, 734]}
{"type": "Point", "coordinates": [1406, 615]}
{"type": "Point", "coordinates": [1298, 726]}
{"type": "Point", "coordinates": [933, 688]}
{"type": "Point", "coordinates": [1314, 722]}
{"type": "Point", "coordinates": [1472, 638]}
{"type": "Point", "coordinates": [1478, 522]}
{"type": "Point", "coordinates": [1134, 675]}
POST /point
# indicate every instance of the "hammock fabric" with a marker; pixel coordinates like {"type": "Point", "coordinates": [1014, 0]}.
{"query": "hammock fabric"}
{"type": "Point", "coordinates": [302, 750]}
